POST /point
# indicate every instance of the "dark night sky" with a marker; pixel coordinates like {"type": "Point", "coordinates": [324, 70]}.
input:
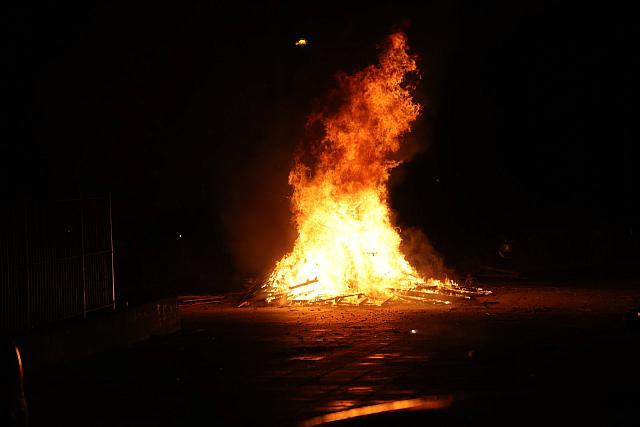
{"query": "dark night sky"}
{"type": "Point", "coordinates": [188, 114]}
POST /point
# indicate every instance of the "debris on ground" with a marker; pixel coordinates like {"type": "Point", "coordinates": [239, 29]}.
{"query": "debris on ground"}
{"type": "Point", "coordinates": [200, 299]}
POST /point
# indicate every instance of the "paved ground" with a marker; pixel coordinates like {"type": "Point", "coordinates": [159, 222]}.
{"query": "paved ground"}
{"type": "Point", "coordinates": [530, 354]}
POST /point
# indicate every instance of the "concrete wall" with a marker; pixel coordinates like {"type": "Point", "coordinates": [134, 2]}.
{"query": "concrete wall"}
{"type": "Point", "coordinates": [99, 332]}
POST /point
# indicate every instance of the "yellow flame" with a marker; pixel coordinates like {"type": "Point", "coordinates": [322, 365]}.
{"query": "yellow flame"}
{"type": "Point", "coordinates": [301, 42]}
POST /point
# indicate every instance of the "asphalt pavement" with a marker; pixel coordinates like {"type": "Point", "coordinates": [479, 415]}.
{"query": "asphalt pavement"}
{"type": "Point", "coordinates": [532, 353]}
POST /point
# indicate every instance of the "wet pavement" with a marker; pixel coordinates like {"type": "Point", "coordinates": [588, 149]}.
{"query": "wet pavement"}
{"type": "Point", "coordinates": [529, 354]}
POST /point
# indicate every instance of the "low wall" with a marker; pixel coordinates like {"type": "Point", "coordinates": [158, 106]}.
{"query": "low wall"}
{"type": "Point", "coordinates": [100, 332]}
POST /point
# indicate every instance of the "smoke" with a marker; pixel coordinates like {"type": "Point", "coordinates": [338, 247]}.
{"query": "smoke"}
{"type": "Point", "coordinates": [256, 212]}
{"type": "Point", "coordinates": [421, 254]}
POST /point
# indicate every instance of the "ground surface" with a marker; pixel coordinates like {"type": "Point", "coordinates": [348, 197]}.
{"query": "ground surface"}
{"type": "Point", "coordinates": [530, 354]}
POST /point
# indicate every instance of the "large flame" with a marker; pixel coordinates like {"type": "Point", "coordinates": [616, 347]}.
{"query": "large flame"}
{"type": "Point", "coordinates": [347, 246]}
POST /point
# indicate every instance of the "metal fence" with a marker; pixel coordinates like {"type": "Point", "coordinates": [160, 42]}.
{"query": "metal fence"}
{"type": "Point", "coordinates": [56, 261]}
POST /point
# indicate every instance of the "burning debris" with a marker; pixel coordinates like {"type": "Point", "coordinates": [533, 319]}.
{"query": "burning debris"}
{"type": "Point", "coordinates": [430, 291]}
{"type": "Point", "coordinates": [347, 250]}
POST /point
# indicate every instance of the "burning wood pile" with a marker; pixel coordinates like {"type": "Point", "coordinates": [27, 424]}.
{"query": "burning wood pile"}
{"type": "Point", "coordinates": [433, 291]}
{"type": "Point", "coordinates": [347, 250]}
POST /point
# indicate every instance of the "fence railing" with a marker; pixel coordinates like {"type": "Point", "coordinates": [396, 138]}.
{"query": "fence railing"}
{"type": "Point", "coordinates": [56, 261]}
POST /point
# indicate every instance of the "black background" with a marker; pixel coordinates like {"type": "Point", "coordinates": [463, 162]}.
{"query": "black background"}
{"type": "Point", "coordinates": [188, 114]}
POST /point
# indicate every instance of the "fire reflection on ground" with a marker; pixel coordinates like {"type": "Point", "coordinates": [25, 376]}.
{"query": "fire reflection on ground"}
{"type": "Point", "coordinates": [422, 404]}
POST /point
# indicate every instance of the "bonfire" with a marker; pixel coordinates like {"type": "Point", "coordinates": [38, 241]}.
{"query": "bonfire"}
{"type": "Point", "coordinates": [347, 249]}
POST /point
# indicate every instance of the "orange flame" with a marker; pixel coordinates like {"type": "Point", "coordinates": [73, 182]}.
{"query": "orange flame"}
{"type": "Point", "coordinates": [347, 245]}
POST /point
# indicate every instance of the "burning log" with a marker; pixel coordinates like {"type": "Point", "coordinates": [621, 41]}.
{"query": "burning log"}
{"type": "Point", "coordinates": [308, 282]}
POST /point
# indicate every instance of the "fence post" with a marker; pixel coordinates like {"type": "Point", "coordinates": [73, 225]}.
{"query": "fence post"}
{"type": "Point", "coordinates": [84, 275]}
{"type": "Point", "coordinates": [113, 274]}
{"type": "Point", "coordinates": [27, 262]}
